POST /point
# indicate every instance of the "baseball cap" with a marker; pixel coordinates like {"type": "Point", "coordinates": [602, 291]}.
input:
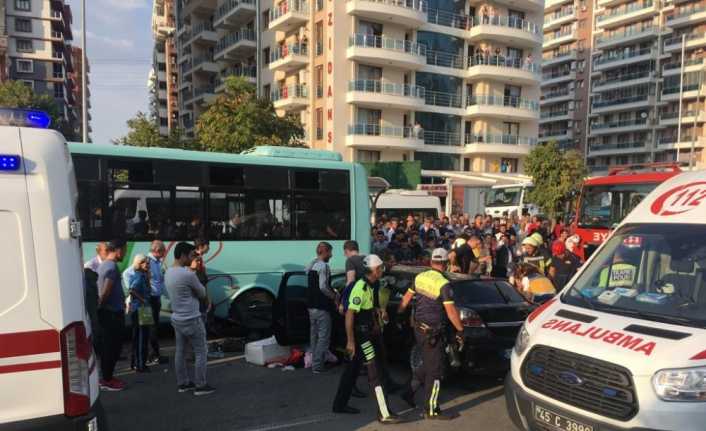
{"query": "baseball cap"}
{"type": "Point", "coordinates": [372, 261]}
{"type": "Point", "coordinates": [439, 255]}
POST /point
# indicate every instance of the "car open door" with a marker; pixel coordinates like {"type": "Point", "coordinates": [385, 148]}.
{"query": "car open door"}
{"type": "Point", "coordinates": [290, 316]}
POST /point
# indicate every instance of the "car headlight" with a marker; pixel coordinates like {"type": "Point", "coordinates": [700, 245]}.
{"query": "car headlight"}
{"type": "Point", "coordinates": [685, 384]}
{"type": "Point", "coordinates": [522, 340]}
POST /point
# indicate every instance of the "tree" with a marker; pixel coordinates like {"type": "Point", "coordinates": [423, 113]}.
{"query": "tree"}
{"type": "Point", "coordinates": [15, 94]}
{"type": "Point", "coordinates": [555, 173]}
{"type": "Point", "coordinates": [144, 132]}
{"type": "Point", "coordinates": [238, 120]}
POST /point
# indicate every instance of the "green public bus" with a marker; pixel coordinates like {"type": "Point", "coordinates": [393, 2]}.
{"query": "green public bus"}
{"type": "Point", "coordinates": [263, 211]}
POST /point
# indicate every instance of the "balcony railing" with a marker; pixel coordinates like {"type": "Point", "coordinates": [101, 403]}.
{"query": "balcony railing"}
{"type": "Point", "coordinates": [633, 7]}
{"type": "Point", "coordinates": [557, 74]}
{"type": "Point", "coordinates": [676, 40]}
{"type": "Point", "coordinates": [618, 124]}
{"type": "Point", "coordinates": [622, 78]}
{"type": "Point", "coordinates": [550, 133]}
{"type": "Point", "coordinates": [200, 60]}
{"type": "Point", "coordinates": [507, 21]}
{"type": "Point", "coordinates": [432, 137]}
{"type": "Point", "coordinates": [628, 32]}
{"type": "Point", "coordinates": [448, 19]}
{"type": "Point", "coordinates": [289, 92]}
{"type": "Point", "coordinates": [201, 27]}
{"type": "Point", "coordinates": [559, 15]}
{"type": "Point", "coordinates": [284, 51]}
{"type": "Point", "coordinates": [439, 98]}
{"type": "Point", "coordinates": [558, 34]}
{"type": "Point", "coordinates": [616, 146]}
{"type": "Point", "coordinates": [553, 114]}
{"type": "Point", "coordinates": [622, 55]}
{"type": "Point", "coordinates": [417, 5]}
{"type": "Point", "coordinates": [300, 6]}
{"type": "Point", "coordinates": [508, 101]}
{"type": "Point", "coordinates": [687, 63]}
{"type": "Point", "coordinates": [613, 102]}
{"type": "Point", "coordinates": [56, 34]}
{"type": "Point", "coordinates": [555, 56]}
{"type": "Point", "coordinates": [501, 61]}
{"type": "Point", "coordinates": [245, 71]}
{"type": "Point", "coordinates": [209, 89]}
{"type": "Point", "coordinates": [675, 114]}
{"type": "Point", "coordinates": [686, 11]}
{"type": "Point", "coordinates": [230, 5]}
{"type": "Point", "coordinates": [687, 87]}
{"type": "Point", "coordinates": [444, 59]}
{"type": "Point", "coordinates": [565, 91]}
{"type": "Point", "coordinates": [234, 38]}
{"type": "Point", "coordinates": [499, 139]}
{"type": "Point", "coordinates": [381, 42]}
{"type": "Point", "coordinates": [377, 130]}
{"type": "Point", "coordinates": [388, 88]}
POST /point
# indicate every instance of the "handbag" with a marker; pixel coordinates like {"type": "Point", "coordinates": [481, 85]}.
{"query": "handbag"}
{"type": "Point", "coordinates": [144, 316]}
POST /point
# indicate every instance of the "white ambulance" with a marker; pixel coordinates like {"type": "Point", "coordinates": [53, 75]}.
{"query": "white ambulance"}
{"type": "Point", "coordinates": [48, 374]}
{"type": "Point", "coordinates": [624, 346]}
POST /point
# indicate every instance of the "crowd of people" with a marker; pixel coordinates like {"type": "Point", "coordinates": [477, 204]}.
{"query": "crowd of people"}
{"type": "Point", "coordinates": [538, 255]}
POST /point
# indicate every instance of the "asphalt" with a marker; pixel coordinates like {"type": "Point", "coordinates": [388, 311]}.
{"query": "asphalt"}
{"type": "Point", "coordinates": [255, 398]}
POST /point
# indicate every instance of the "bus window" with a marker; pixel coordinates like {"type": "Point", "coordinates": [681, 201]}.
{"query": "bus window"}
{"type": "Point", "coordinates": [188, 213]}
{"type": "Point", "coordinates": [90, 209]}
{"type": "Point", "coordinates": [321, 216]}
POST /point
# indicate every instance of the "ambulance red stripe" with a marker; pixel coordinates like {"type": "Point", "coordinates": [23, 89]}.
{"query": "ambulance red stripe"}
{"type": "Point", "coordinates": [29, 343]}
{"type": "Point", "coordinates": [32, 366]}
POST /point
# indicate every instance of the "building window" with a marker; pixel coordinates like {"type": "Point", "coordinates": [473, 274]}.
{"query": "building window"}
{"type": "Point", "coordinates": [162, 67]}
{"type": "Point", "coordinates": [24, 45]}
{"type": "Point", "coordinates": [25, 66]}
{"type": "Point", "coordinates": [320, 81]}
{"type": "Point", "coordinates": [23, 25]}
{"type": "Point", "coordinates": [57, 70]}
{"type": "Point", "coordinates": [508, 165]}
{"type": "Point", "coordinates": [23, 5]}
{"type": "Point", "coordinates": [266, 56]}
{"type": "Point", "coordinates": [319, 35]}
{"type": "Point", "coordinates": [368, 156]}
{"type": "Point", "coordinates": [266, 92]}
{"type": "Point", "coordinates": [58, 90]}
{"type": "Point", "coordinates": [319, 124]}
{"type": "Point", "coordinates": [28, 83]}
{"type": "Point", "coordinates": [319, 5]}
{"type": "Point", "coordinates": [265, 20]}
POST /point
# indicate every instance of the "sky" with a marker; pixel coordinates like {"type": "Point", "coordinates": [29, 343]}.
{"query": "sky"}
{"type": "Point", "coordinates": [119, 41]}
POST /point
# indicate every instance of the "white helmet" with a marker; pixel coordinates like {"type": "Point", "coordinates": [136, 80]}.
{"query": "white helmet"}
{"type": "Point", "coordinates": [372, 261]}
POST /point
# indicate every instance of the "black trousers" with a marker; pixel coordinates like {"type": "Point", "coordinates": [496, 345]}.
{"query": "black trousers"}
{"type": "Point", "coordinates": [140, 340]}
{"type": "Point", "coordinates": [429, 374]}
{"type": "Point", "coordinates": [156, 304]}
{"type": "Point", "coordinates": [113, 325]}
{"type": "Point", "coordinates": [365, 354]}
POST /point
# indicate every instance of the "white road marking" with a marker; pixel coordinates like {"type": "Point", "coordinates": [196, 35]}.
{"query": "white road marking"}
{"type": "Point", "coordinates": [297, 423]}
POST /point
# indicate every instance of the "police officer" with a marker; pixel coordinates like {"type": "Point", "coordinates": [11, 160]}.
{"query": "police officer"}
{"type": "Point", "coordinates": [360, 320]}
{"type": "Point", "coordinates": [434, 298]}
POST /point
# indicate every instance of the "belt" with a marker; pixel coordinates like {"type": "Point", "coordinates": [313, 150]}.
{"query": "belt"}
{"type": "Point", "coordinates": [428, 329]}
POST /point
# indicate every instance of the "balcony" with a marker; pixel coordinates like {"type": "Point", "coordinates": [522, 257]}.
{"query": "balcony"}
{"type": "Point", "coordinates": [204, 95]}
{"type": "Point", "coordinates": [554, 4]}
{"type": "Point", "coordinates": [690, 91]}
{"type": "Point", "coordinates": [204, 34]}
{"type": "Point", "coordinates": [670, 142]}
{"type": "Point", "coordinates": [552, 59]}
{"type": "Point", "coordinates": [556, 77]}
{"type": "Point", "coordinates": [233, 14]}
{"type": "Point", "coordinates": [622, 104]}
{"type": "Point", "coordinates": [290, 57]}
{"type": "Point", "coordinates": [559, 134]}
{"type": "Point", "coordinates": [290, 98]}
{"type": "Point", "coordinates": [382, 94]}
{"type": "Point", "coordinates": [446, 60]}
{"type": "Point", "coordinates": [690, 65]}
{"type": "Point", "coordinates": [559, 38]}
{"type": "Point", "coordinates": [289, 15]}
{"type": "Point", "coordinates": [503, 107]}
{"type": "Point", "coordinates": [559, 17]}
{"type": "Point", "coordinates": [384, 51]}
{"type": "Point", "coordinates": [454, 24]}
{"type": "Point", "coordinates": [56, 36]}
{"type": "Point", "coordinates": [635, 56]}
{"type": "Point", "coordinates": [687, 15]}
{"type": "Point", "coordinates": [626, 36]}
{"type": "Point", "coordinates": [505, 29]}
{"type": "Point", "coordinates": [550, 116]}
{"type": "Point", "coordinates": [408, 13]}
{"type": "Point", "coordinates": [687, 117]}
{"type": "Point", "coordinates": [693, 40]}
{"type": "Point", "coordinates": [615, 148]}
{"type": "Point", "coordinates": [533, 5]}
{"type": "Point", "coordinates": [563, 95]}
{"type": "Point", "coordinates": [625, 14]}
{"type": "Point", "coordinates": [619, 126]}
{"type": "Point", "coordinates": [505, 69]}
{"type": "Point", "coordinates": [374, 136]}
{"type": "Point", "coordinates": [607, 83]}
{"type": "Point", "coordinates": [442, 139]}
{"type": "Point", "coordinates": [443, 102]}
{"type": "Point", "coordinates": [236, 45]}
{"type": "Point", "coordinates": [249, 72]}
{"type": "Point", "coordinates": [205, 65]}
{"type": "Point", "coordinates": [511, 145]}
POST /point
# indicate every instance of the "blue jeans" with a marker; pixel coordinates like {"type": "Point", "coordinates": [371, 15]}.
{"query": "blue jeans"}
{"type": "Point", "coordinates": [190, 332]}
{"type": "Point", "coordinates": [319, 337]}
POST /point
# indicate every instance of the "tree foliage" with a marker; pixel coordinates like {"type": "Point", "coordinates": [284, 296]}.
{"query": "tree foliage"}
{"type": "Point", "coordinates": [144, 132]}
{"type": "Point", "coordinates": [238, 120]}
{"type": "Point", "coordinates": [15, 94]}
{"type": "Point", "coordinates": [556, 174]}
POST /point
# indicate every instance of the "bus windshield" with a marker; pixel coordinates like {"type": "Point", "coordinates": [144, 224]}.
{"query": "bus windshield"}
{"type": "Point", "coordinates": [648, 271]}
{"type": "Point", "coordinates": [605, 206]}
{"type": "Point", "coordinates": [505, 197]}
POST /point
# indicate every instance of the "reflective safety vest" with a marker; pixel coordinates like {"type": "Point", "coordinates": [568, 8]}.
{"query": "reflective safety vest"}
{"type": "Point", "coordinates": [540, 261]}
{"type": "Point", "coordinates": [538, 285]}
{"type": "Point", "coordinates": [621, 275]}
{"type": "Point", "coordinates": [429, 284]}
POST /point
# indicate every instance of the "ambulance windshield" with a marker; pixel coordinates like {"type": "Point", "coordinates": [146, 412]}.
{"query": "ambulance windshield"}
{"type": "Point", "coordinates": [653, 271]}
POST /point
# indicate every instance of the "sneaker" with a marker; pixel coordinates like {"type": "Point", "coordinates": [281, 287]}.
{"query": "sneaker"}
{"type": "Point", "coordinates": [152, 361]}
{"type": "Point", "coordinates": [390, 420]}
{"type": "Point", "coordinates": [186, 388]}
{"type": "Point", "coordinates": [441, 416]}
{"type": "Point", "coordinates": [203, 390]}
{"type": "Point", "coordinates": [110, 386]}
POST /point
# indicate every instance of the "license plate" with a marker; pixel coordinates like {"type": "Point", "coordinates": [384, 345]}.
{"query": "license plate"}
{"type": "Point", "coordinates": [92, 425]}
{"type": "Point", "coordinates": [558, 422]}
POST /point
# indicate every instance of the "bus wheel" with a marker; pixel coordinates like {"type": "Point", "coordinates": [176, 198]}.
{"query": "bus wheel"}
{"type": "Point", "coordinates": [252, 313]}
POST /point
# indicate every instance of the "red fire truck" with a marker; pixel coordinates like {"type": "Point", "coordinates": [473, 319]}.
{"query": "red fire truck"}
{"type": "Point", "coordinates": [605, 201]}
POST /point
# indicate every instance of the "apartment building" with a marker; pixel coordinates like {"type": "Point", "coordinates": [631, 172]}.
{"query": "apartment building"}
{"type": "Point", "coordinates": [164, 78]}
{"type": "Point", "coordinates": [566, 57]}
{"type": "Point", "coordinates": [39, 50]}
{"type": "Point", "coordinates": [453, 84]}
{"type": "Point", "coordinates": [77, 76]}
{"type": "Point", "coordinates": [635, 82]}
{"type": "Point", "coordinates": [3, 43]}
{"type": "Point", "coordinates": [215, 39]}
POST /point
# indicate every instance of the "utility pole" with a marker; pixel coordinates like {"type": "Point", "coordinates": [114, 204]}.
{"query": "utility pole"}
{"type": "Point", "coordinates": [84, 78]}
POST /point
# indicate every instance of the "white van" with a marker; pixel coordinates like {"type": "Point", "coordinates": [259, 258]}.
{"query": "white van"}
{"type": "Point", "coordinates": [509, 199]}
{"type": "Point", "coordinates": [624, 346]}
{"type": "Point", "coordinates": [48, 371]}
{"type": "Point", "coordinates": [401, 203]}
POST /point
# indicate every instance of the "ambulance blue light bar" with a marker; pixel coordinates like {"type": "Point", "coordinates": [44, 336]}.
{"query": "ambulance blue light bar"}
{"type": "Point", "coordinates": [24, 118]}
{"type": "Point", "coordinates": [9, 162]}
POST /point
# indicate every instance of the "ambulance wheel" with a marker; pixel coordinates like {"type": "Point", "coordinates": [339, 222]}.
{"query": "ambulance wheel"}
{"type": "Point", "coordinates": [251, 313]}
